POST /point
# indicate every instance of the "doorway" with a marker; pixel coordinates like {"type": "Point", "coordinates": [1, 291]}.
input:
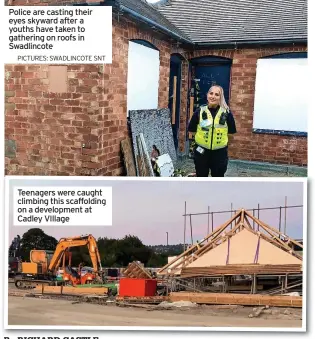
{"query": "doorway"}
{"type": "Point", "coordinates": [206, 72]}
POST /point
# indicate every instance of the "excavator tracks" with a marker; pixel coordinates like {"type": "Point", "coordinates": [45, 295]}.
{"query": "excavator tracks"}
{"type": "Point", "coordinates": [23, 284]}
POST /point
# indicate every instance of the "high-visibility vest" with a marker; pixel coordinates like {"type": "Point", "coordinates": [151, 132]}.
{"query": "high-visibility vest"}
{"type": "Point", "coordinates": [210, 134]}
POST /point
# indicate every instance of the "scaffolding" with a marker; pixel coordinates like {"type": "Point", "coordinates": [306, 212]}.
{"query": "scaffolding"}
{"type": "Point", "coordinates": [237, 277]}
{"type": "Point", "coordinates": [256, 213]}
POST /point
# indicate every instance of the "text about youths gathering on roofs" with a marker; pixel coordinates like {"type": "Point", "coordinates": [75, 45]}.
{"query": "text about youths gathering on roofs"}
{"type": "Point", "coordinates": [58, 34]}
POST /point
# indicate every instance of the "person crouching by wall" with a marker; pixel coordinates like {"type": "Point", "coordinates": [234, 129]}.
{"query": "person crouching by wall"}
{"type": "Point", "coordinates": [211, 125]}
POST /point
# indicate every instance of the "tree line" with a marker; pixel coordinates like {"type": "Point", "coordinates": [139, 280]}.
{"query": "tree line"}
{"type": "Point", "coordinates": [113, 252]}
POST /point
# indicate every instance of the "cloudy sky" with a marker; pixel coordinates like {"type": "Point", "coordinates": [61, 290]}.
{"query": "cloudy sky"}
{"type": "Point", "coordinates": [149, 209]}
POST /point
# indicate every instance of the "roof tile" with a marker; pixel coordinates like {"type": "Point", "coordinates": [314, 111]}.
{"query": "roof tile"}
{"type": "Point", "coordinates": [205, 21]}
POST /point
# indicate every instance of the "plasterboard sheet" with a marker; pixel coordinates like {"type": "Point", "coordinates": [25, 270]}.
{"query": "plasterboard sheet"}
{"type": "Point", "coordinates": [243, 246]}
{"type": "Point", "coordinates": [143, 77]}
{"type": "Point", "coordinates": [157, 130]}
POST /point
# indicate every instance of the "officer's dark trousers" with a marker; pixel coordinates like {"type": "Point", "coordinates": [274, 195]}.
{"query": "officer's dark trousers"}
{"type": "Point", "coordinates": [214, 161]}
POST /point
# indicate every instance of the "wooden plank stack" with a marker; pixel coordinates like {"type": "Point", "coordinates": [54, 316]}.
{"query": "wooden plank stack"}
{"type": "Point", "coordinates": [237, 299]}
{"type": "Point", "coordinates": [70, 290]}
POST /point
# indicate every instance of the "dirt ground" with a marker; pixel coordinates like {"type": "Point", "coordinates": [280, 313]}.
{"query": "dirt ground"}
{"type": "Point", "coordinates": [37, 311]}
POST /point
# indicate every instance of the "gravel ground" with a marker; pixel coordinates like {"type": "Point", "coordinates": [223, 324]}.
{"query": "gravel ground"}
{"type": "Point", "coordinates": [54, 312]}
{"type": "Point", "coordinates": [250, 169]}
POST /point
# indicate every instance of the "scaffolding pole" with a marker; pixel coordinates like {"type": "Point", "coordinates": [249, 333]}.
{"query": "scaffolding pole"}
{"type": "Point", "coordinates": [185, 228]}
{"type": "Point", "coordinates": [285, 215]}
{"type": "Point", "coordinates": [208, 228]}
{"type": "Point", "coordinates": [258, 218]}
{"type": "Point", "coordinates": [280, 208]}
{"type": "Point", "coordinates": [253, 210]}
{"type": "Point", "coordinates": [247, 209]}
{"type": "Point", "coordinates": [191, 232]}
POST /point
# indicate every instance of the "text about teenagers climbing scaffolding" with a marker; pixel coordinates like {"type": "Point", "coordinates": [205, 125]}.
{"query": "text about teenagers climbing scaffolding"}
{"type": "Point", "coordinates": [55, 34]}
{"type": "Point", "coordinates": [62, 206]}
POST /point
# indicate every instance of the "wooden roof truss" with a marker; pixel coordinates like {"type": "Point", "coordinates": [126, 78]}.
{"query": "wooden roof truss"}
{"type": "Point", "coordinates": [240, 221]}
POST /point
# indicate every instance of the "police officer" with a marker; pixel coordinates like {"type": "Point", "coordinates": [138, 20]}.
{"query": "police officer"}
{"type": "Point", "coordinates": [211, 124]}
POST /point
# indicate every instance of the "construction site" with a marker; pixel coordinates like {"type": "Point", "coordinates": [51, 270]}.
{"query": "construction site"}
{"type": "Point", "coordinates": [244, 273]}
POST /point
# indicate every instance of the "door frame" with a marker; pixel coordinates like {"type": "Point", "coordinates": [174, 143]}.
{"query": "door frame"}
{"type": "Point", "coordinates": [175, 59]}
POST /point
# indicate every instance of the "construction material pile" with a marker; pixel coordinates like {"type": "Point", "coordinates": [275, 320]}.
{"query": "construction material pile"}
{"type": "Point", "coordinates": [136, 270]}
{"type": "Point", "coordinates": [150, 149]}
{"type": "Point", "coordinates": [237, 299]}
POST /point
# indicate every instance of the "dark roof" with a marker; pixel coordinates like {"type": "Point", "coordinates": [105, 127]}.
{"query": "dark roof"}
{"type": "Point", "coordinates": [222, 21]}
{"type": "Point", "coordinates": [149, 12]}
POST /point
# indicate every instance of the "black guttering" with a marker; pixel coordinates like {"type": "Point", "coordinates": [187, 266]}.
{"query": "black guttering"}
{"type": "Point", "coordinates": [240, 43]}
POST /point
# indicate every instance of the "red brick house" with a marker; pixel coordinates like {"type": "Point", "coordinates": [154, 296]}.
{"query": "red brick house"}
{"type": "Point", "coordinates": [78, 131]}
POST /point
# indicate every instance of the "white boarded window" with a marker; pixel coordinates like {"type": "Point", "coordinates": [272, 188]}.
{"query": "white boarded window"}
{"type": "Point", "coordinates": [280, 95]}
{"type": "Point", "coordinates": [143, 77]}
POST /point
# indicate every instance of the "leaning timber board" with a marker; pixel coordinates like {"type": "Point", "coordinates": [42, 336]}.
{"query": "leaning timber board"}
{"type": "Point", "coordinates": [129, 161]}
{"type": "Point", "coordinates": [237, 299]}
{"type": "Point", "coordinates": [155, 124]}
{"type": "Point", "coordinates": [72, 290]}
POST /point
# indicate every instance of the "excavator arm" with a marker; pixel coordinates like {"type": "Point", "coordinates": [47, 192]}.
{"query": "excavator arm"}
{"type": "Point", "coordinates": [94, 254]}
{"type": "Point", "coordinates": [66, 243]}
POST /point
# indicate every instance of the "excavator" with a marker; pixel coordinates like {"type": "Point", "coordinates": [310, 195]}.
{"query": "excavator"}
{"type": "Point", "coordinates": [43, 265]}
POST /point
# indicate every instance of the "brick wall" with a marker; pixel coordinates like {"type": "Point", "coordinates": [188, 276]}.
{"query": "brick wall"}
{"type": "Point", "coordinates": [77, 132]}
{"type": "Point", "coordinates": [53, 132]}
{"type": "Point", "coordinates": [246, 145]}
